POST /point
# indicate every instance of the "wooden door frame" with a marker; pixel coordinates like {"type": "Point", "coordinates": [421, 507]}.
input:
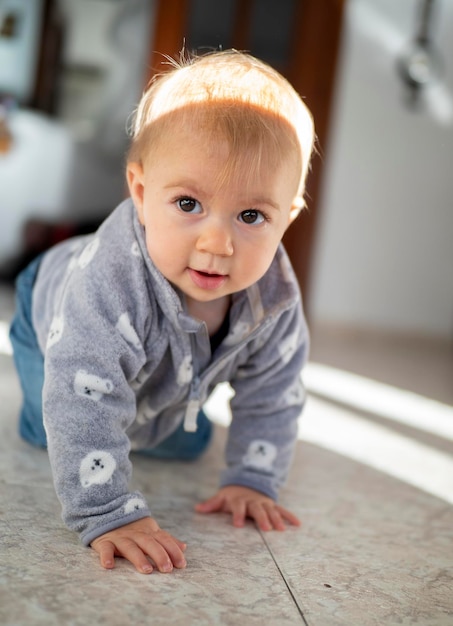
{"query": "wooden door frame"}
{"type": "Point", "coordinates": [46, 86]}
{"type": "Point", "coordinates": [314, 56]}
{"type": "Point", "coordinates": [315, 52]}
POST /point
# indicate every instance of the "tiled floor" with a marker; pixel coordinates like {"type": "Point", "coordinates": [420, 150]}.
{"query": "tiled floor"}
{"type": "Point", "coordinates": [373, 549]}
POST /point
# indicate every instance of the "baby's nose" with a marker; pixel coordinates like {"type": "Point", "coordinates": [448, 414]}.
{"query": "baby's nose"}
{"type": "Point", "coordinates": [215, 238]}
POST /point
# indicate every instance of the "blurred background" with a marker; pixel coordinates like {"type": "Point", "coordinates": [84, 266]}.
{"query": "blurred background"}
{"type": "Point", "coordinates": [374, 251]}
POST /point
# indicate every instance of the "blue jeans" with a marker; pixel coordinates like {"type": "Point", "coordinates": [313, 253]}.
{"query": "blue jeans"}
{"type": "Point", "coordinates": [29, 362]}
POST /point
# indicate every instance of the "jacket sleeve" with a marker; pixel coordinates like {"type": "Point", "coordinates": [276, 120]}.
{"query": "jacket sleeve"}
{"type": "Point", "coordinates": [93, 351]}
{"type": "Point", "coordinates": [269, 397]}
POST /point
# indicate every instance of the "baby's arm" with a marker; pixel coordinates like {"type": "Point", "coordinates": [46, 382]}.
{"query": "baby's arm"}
{"type": "Point", "coordinates": [138, 542]}
{"type": "Point", "coordinates": [243, 502]}
{"type": "Point", "coordinates": [266, 406]}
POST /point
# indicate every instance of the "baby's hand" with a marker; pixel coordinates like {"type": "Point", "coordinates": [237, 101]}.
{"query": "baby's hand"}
{"type": "Point", "coordinates": [243, 502]}
{"type": "Point", "coordinates": [136, 542]}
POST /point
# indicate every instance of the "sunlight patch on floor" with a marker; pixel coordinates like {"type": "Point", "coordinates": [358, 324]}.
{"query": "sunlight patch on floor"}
{"type": "Point", "coordinates": [364, 394]}
{"type": "Point", "coordinates": [341, 430]}
{"type": "Point", "coordinates": [357, 438]}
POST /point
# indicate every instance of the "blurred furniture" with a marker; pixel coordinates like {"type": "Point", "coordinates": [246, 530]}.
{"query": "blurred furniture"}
{"type": "Point", "coordinates": [34, 175]}
{"type": "Point", "coordinates": [50, 179]}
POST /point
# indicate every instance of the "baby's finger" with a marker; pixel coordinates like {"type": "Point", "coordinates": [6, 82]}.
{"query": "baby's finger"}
{"type": "Point", "coordinates": [275, 518]}
{"type": "Point", "coordinates": [128, 549]}
{"type": "Point", "coordinates": [259, 513]}
{"type": "Point", "coordinates": [239, 512]}
{"type": "Point", "coordinates": [288, 516]}
{"type": "Point", "coordinates": [181, 545]}
{"type": "Point", "coordinates": [153, 548]}
{"type": "Point", "coordinates": [173, 548]}
{"type": "Point", "coordinates": [106, 552]}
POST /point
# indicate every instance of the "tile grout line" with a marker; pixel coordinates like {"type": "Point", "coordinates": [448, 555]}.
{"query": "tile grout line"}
{"type": "Point", "coordinates": [290, 591]}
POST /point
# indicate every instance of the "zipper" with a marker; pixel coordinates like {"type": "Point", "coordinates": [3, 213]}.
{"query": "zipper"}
{"type": "Point", "coordinates": [193, 406]}
{"type": "Point", "coordinates": [194, 403]}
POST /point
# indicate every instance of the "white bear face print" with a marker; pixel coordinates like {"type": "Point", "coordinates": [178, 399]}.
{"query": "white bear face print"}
{"type": "Point", "coordinates": [134, 504]}
{"type": "Point", "coordinates": [55, 331]}
{"type": "Point", "coordinates": [260, 455]}
{"type": "Point", "coordinates": [88, 253]}
{"type": "Point", "coordinates": [295, 394]}
{"type": "Point", "coordinates": [91, 386]}
{"type": "Point", "coordinates": [96, 468]}
{"type": "Point", "coordinates": [185, 371]}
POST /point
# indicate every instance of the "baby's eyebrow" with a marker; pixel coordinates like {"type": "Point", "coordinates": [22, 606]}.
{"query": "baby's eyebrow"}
{"type": "Point", "coordinates": [255, 202]}
{"type": "Point", "coordinates": [267, 201]}
{"type": "Point", "coordinates": [185, 184]}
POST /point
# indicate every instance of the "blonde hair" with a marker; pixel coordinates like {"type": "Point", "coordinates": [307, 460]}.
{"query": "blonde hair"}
{"type": "Point", "coordinates": [234, 96]}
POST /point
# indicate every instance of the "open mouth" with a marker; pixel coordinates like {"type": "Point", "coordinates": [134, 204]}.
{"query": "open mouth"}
{"type": "Point", "coordinates": [207, 273]}
{"type": "Point", "coordinates": [207, 280]}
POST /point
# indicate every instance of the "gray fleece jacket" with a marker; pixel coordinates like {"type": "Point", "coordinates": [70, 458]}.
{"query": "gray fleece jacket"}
{"type": "Point", "coordinates": [125, 364]}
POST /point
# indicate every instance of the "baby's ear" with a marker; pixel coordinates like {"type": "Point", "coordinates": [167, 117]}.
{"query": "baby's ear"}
{"type": "Point", "coordinates": [136, 184]}
{"type": "Point", "coordinates": [296, 208]}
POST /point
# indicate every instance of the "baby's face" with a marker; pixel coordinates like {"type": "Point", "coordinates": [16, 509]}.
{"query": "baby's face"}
{"type": "Point", "coordinates": [208, 241]}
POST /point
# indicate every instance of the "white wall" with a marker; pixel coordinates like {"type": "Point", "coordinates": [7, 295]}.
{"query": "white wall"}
{"type": "Point", "coordinates": [384, 253]}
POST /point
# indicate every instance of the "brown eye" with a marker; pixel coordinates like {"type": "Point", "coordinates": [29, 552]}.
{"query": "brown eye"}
{"type": "Point", "coordinates": [189, 205]}
{"type": "Point", "coordinates": [251, 216]}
